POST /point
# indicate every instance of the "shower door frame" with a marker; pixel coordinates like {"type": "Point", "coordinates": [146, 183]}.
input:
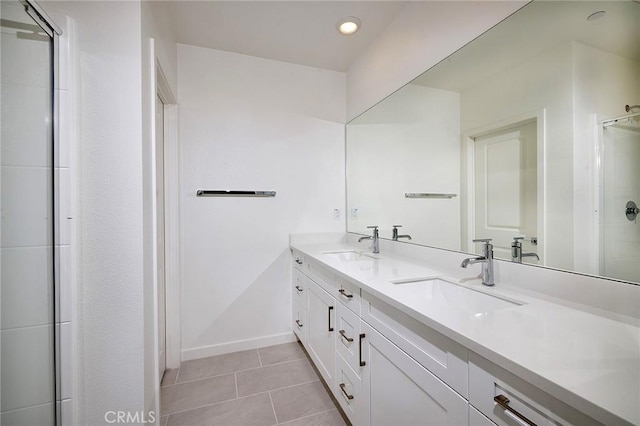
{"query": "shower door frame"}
{"type": "Point", "coordinates": [599, 159]}
{"type": "Point", "coordinates": [42, 20]}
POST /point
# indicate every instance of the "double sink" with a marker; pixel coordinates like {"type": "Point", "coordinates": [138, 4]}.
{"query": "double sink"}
{"type": "Point", "coordinates": [443, 293]}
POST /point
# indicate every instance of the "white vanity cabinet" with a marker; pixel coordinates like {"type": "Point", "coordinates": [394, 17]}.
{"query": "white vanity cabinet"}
{"type": "Point", "coordinates": [396, 390]}
{"type": "Point", "coordinates": [300, 292]}
{"type": "Point", "coordinates": [508, 400]}
{"type": "Point", "coordinates": [321, 320]}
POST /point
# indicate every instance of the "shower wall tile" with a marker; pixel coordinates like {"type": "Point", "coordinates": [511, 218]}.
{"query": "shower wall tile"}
{"type": "Point", "coordinates": [26, 207]}
{"type": "Point", "coordinates": [25, 141]}
{"type": "Point", "coordinates": [615, 200]}
{"type": "Point", "coordinates": [26, 287]}
{"type": "Point", "coordinates": [623, 269]}
{"type": "Point", "coordinates": [26, 367]}
{"type": "Point", "coordinates": [23, 69]}
{"type": "Point", "coordinates": [38, 415]}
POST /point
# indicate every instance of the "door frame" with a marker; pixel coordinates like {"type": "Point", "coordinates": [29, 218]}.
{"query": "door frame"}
{"type": "Point", "coordinates": [467, 204]}
{"type": "Point", "coordinates": [171, 216]}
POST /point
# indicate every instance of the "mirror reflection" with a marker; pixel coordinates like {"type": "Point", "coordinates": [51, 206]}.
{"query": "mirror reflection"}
{"type": "Point", "coordinates": [529, 135]}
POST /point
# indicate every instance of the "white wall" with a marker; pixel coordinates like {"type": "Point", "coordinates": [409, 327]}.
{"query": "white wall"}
{"type": "Point", "coordinates": [603, 83]}
{"type": "Point", "coordinates": [109, 196]}
{"type": "Point", "coordinates": [251, 124]}
{"type": "Point", "coordinates": [508, 94]}
{"type": "Point", "coordinates": [423, 34]}
{"type": "Point", "coordinates": [408, 143]}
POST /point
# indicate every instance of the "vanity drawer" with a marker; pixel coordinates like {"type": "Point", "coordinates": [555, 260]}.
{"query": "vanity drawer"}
{"type": "Point", "coordinates": [440, 355]}
{"type": "Point", "coordinates": [300, 327]}
{"type": "Point", "coordinates": [324, 277]}
{"type": "Point", "coordinates": [348, 391]}
{"type": "Point", "coordinates": [348, 337]}
{"type": "Point", "coordinates": [340, 288]}
{"type": "Point", "coordinates": [300, 288]}
{"type": "Point", "coordinates": [476, 418]}
{"type": "Point", "coordinates": [348, 294]}
{"type": "Point", "coordinates": [488, 381]}
{"type": "Point", "coordinates": [299, 261]}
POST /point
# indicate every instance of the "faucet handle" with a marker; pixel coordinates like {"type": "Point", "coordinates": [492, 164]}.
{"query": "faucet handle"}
{"type": "Point", "coordinates": [522, 237]}
{"type": "Point", "coordinates": [397, 226]}
{"type": "Point", "coordinates": [373, 227]}
{"type": "Point", "coordinates": [483, 240]}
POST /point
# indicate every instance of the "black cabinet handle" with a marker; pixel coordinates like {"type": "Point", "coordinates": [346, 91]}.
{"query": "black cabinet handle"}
{"type": "Point", "coordinates": [299, 262]}
{"type": "Point", "coordinates": [344, 293]}
{"type": "Point", "coordinates": [299, 323]}
{"type": "Point", "coordinates": [299, 288]}
{"type": "Point", "coordinates": [330, 309]}
{"type": "Point", "coordinates": [342, 386]}
{"type": "Point", "coordinates": [503, 402]}
{"type": "Point", "coordinates": [362, 336]}
{"type": "Point", "coordinates": [344, 336]}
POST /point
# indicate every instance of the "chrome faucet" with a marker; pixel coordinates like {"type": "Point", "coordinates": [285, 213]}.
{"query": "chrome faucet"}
{"type": "Point", "coordinates": [395, 236]}
{"type": "Point", "coordinates": [375, 237]}
{"type": "Point", "coordinates": [486, 259]}
{"type": "Point", "coordinates": [516, 251]}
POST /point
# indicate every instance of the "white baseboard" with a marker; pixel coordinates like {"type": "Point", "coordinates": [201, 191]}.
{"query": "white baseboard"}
{"type": "Point", "coordinates": [238, 345]}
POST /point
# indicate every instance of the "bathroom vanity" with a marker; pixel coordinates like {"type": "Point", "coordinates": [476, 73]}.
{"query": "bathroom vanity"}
{"type": "Point", "coordinates": [401, 341]}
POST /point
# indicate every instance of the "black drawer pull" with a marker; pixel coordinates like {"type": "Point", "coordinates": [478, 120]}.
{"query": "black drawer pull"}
{"type": "Point", "coordinates": [330, 309]}
{"type": "Point", "coordinates": [362, 336]}
{"type": "Point", "coordinates": [503, 402]}
{"type": "Point", "coordinates": [299, 323]}
{"type": "Point", "coordinates": [342, 386]}
{"type": "Point", "coordinates": [344, 293]}
{"type": "Point", "coordinates": [299, 288]}
{"type": "Point", "coordinates": [344, 336]}
{"type": "Point", "coordinates": [298, 261]}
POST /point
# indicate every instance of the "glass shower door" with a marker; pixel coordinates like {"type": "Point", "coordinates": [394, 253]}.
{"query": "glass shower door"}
{"type": "Point", "coordinates": [27, 292]}
{"type": "Point", "coordinates": [620, 227]}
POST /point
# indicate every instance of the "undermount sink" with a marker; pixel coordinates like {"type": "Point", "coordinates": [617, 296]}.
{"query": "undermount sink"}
{"type": "Point", "coordinates": [349, 256]}
{"type": "Point", "coordinates": [451, 296]}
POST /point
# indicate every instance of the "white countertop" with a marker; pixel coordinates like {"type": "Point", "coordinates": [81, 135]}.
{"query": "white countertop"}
{"type": "Point", "coordinates": [589, 362]}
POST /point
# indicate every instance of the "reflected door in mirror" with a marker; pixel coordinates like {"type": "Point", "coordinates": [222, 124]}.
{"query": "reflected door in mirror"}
{"type": "Point", "coordinates": [505, 186]}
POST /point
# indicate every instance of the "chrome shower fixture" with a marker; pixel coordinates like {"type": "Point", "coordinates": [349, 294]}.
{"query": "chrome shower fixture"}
{"type": "Point", "coordinates": [628, 108]}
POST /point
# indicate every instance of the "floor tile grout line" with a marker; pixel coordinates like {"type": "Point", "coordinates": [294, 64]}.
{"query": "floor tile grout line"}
{"type": "Point", "coordinates": [177, 375]}
{"type": "Point", "coordinates": [199, 407]}
{"type": "Point", "coordinates": [273, 407]}
{"type": "Point", "coordinates": [235, 375]}
{"type": "Point", "coordinates": [259, 358]}
{"type": "Point", "coordinates": [282, 388]}
{"type": "Point", "coordinates": [309, 415]}
{"type": "Point", "coordinates": [203, 378]}
{"type": "Point", "coordinates": [211, 405]}
{"type": "Point", "coordinates": [238, 371]}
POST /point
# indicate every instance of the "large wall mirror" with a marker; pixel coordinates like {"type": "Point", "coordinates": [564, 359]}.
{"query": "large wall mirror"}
{"type": "Point", "coordinates": [532, 130]}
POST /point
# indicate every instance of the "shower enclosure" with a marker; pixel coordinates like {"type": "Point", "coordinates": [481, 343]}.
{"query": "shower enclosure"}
{"type": "Point", "coordinates": [620, 198]}
{"type": "Point", "coordinates": [28, 336]}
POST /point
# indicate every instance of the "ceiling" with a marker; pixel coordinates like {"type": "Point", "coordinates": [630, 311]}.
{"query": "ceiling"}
{"type": "Point", "coordinates": [301, 32]}
{"type": "Point", "coordinates": [535, 29]}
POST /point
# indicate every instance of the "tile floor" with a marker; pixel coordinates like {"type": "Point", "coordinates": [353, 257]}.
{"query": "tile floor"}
{"type": "Point", "coordinates": [261, 387]}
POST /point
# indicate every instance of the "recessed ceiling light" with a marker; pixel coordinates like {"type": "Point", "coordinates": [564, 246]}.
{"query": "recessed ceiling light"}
{"type": "Point", "coordinates": [348, 25]}
{"type": "Point", "coordinates": [597, 15]}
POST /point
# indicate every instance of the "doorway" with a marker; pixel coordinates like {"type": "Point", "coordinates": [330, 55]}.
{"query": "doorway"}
{"type": "Point", "coordinates": [505, 188]}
